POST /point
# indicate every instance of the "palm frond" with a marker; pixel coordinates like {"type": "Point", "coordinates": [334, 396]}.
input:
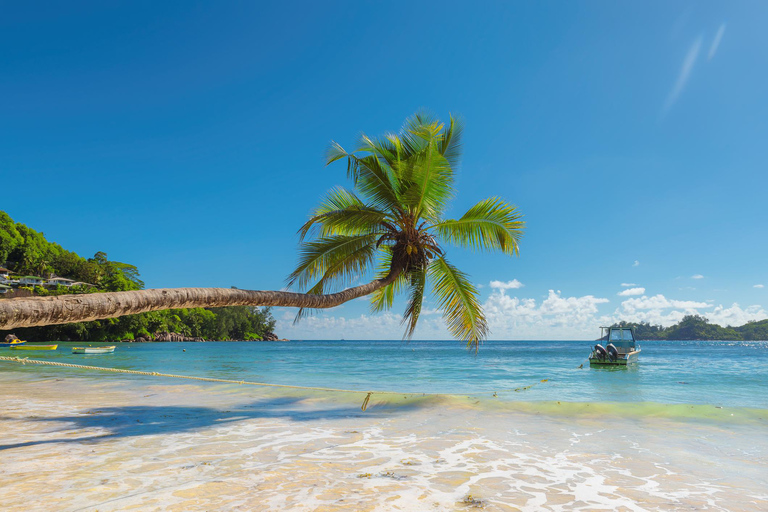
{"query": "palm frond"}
{"type": "Point", "coordinates": [333, 260]}
{"type": "Point", "coordinates": [491, 224]}
{"type": "Point", "coordinates": [450, 142]}
{"type": "Point", "coordinates": [343, 213]}
{"type": "Point", "coordinates": [420, 130]}
{"type": "Point", "coordinates": [374, 181]}
{"type": "Point", "coordinates": [340, 273]}
{"type": "Point", "coordinates": [428, 180]}
{"type": "Point", "coordinates": [382, 299]}
{"type": "Point", "coordinates": [458, 299]}
{"type": "Point", "coordinates": [422, 174]}
{"type": "Point", "coordinates": [335, 152]}
{"type": "Point", "coordinates": [371, 178]}
{"type": "Point", "coordinates": [416, 282]}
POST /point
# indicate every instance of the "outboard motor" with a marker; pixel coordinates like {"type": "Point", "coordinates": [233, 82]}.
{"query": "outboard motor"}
{"type": "Point", "coordinates": [613, 354]}
{"type": "Point", "coordinates": [600, 352]}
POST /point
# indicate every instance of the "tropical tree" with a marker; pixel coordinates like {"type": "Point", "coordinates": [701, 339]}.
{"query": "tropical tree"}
{"type": "Point", "coordinates": [393, 221]}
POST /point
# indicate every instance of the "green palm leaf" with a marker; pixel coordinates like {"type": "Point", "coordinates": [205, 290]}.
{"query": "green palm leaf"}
{"type": "Point", "coordinates": [426, 178]}
{"type": "Point", "coordinates": [491, 224]}
{"type": "Point", "coordinates": [382, 299]}
{"type": "Point", "coordinates": [372, 179]}
{"type": "Point", "coordinates": [450, 142]}
{"type": "Point", "coordinates": [458, 299]}
{"type": "Point", "coordinates": [343, 213]}
{"type": "Point", "coordinates": [417, 281]}
{"type": "Point", "coordinates": [334, 259]}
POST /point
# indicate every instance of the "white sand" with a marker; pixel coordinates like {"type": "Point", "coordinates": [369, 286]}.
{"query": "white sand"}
{"type": "Point", "coordinates": [130, 444]}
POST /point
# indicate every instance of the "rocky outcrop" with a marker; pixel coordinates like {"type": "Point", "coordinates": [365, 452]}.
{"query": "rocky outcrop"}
{"type": "Point", "coordinates": [270, 336]}
{"type": "Point", "coordinates": [172, 336]}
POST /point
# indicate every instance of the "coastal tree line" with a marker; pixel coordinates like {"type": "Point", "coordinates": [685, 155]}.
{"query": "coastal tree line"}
{"type": "Point", "coordinates": [696, 327]}
{"type": "Point", "coordinates": [26, 251]}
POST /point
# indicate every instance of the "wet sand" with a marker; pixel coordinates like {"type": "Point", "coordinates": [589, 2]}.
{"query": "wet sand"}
{"type": "Point", "coordinates": [136, 444]}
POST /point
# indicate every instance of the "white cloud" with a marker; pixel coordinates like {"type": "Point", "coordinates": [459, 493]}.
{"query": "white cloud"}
{"type": "Point", "coordinates": [660, 302]}
{"type": "Point", "coordinates": [631, 291]}
{"type": "Point", "coordinates": [736, 316]}
{"type": "Point", "coordinates": [658, 310]}
{"type": "Point", "coordinates": [697, 276]}
{"type": "Point", "coordinates": [684, 75]}
{"type": "Point", "coordinates": [759, 286]}
{"type": "Point", "coordinates": [627, 285]}
{"type": "Point", "coordinates": [557, 317]}
{"type": "Point", "coordinates": [716, 41]}
{"type": "Point", "coordinates": [509, 285]}
{"type": "Point", "coordinates": [636, 264]}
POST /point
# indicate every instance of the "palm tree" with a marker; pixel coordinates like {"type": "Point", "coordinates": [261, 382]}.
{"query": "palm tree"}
{"type": "Point", "coordinates": [393, 221]}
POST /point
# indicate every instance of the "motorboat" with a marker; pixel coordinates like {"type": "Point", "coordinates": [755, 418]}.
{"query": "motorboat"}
{"type": "Point", "coordinates": [19, 346]}
{"type": "Point", "coordinates": [12, 343]}
{"type": "Point", "coordinates": [620, 349]}
{"type": "Point", "coordinates": [93, 350]}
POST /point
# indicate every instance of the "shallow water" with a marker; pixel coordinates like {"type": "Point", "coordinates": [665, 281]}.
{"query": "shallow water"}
{"type": "Point", "coordinates": [81, 440]}
{"type": "Point", "coordinates": [678, 372]}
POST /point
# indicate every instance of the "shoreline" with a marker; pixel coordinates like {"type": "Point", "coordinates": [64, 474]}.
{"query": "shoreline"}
{"type": "Point", "coordinates": [206, 446]}
{"type": "Point", "coordinates": [490, 402]}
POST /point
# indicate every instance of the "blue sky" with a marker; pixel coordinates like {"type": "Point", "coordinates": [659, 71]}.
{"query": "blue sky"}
{"type": "Point", "coordinates": [188, 138]}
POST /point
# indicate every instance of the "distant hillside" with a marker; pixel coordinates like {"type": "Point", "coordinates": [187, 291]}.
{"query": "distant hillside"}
{"type": "Point", "coordinates": [695, 327]}
{"type": "Point", "coordinates": [25, 251]}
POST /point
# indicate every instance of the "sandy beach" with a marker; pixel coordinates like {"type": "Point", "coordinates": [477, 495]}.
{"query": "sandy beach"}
{"type": "Point", "coordinates": [74, 444]}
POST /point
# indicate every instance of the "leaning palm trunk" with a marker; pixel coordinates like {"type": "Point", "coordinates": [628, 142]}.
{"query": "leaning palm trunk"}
{"type": "Point", "coordinates": [64, 309]}
{"type": "Point", "coordinates": [393, 220]}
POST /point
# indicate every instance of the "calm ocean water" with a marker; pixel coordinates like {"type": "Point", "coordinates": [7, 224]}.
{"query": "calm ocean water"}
{"type": "Point", "coordinates": [733, 374]}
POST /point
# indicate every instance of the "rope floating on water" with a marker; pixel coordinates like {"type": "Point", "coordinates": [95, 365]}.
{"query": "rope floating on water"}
{"type": "Point", "coordinates": [26, 360]}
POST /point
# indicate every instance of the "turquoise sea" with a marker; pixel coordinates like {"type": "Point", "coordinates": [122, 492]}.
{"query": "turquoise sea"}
{"type": "Point", "coordinates": [717, 373]}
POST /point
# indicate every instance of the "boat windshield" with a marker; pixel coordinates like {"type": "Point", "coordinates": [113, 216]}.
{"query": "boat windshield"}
{"type": "Point", "coordinates": [622, 339]}
{"type": "Point", "coordinates": [621, 335]}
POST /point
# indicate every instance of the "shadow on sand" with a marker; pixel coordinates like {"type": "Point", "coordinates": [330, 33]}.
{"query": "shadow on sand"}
{"type": "Point", "coordinates": [132, 421]}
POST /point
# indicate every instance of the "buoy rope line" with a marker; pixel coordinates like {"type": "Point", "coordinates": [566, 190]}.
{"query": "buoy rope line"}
{"type": "Point", "coordinates": [25, 360]}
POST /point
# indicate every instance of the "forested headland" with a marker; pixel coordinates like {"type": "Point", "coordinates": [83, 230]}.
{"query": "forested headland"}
{"type": "Point", "coordinates": [695, 327]}
{"type": "Point", "coordinates": [26, 252]}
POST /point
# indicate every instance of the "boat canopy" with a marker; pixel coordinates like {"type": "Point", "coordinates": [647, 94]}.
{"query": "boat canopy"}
{"type": "Point", "coordinates": [621, 337]}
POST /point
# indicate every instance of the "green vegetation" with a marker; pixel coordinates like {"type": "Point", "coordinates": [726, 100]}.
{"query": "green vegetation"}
{"type": "Point", "coordinates": [394, 220]}
{"type": "Point", "coordinates": [695, 327]}
{"type": "Point", "coordinates": [231, 323]}
{"type": "Point", "coordinates": [27, 252]}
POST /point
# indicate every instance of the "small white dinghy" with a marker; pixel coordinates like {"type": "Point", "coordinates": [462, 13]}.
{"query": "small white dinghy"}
{"type": "Point", "coordinates": [93, 350]}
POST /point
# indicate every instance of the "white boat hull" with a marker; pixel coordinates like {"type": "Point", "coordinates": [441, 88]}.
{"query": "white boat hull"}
{"type": "Point", "coordinates": [92, 350]}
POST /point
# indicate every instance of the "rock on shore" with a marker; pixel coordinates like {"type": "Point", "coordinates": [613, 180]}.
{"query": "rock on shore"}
{"type": "Point", "coordinates": [166, 336]}
{"type": "Point", "coordinates": [174, 336]}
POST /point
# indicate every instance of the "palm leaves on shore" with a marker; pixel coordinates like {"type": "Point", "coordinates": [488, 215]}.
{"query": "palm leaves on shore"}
{"type": "Point", "coordinates": [394, 221]}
